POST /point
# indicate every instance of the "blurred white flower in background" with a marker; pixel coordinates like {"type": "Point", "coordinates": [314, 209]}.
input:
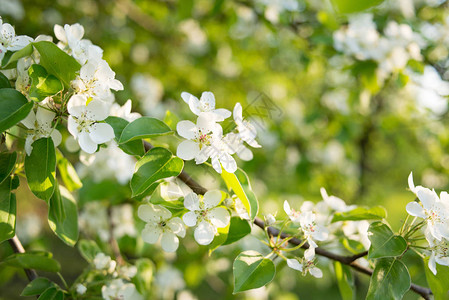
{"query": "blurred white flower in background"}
{"type": "Point", "coordinates": [14, 8]}
{"type": "Point", "coordinates": [149, 92]}
{"type": "Point", "coordinates": [119, 289]}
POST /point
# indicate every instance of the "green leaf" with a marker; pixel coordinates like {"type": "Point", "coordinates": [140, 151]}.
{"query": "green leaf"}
{"type": "Point", "coordinates": [52, 293]}
{"type": "Point", "coordinates": [142, 128]}
{"type": "Point", "coordinates": [40, 168]}
{"type": "Point", "coordinates": [14, 107]}
{"type": "Point", "coordinates": [439, 284]}
{"type": "Point", "coordinates": [158, 163]}
{"type": "Point", "coordinates": [37, 286]}
{"type": "Point", "coordinates": [7, 163]}
{"type": "Point", "coordinates": [361, 213]}
{"type": "Point", "coordinates": [133, 147]}
{"type": "Point", "coordinates": [33, 260]}
{"type": "Point", "coordinates": [4, 81]}
{"type": "Point", "coordinates": [10, 59]}
{"type": "Point", "coordinates": [384, 243]}
{"type": "Point", "coordinates": [237, 230]}
{"type": "Point", "coordinates": [345, 281]}
{"type": "Point", "coordinates": [57, 62]}
{"type": "Point", "coordinates": [251, 270]}
{"type": "Point", "coordinates": [7, 210]}
{"type": "Point", "coordinates": [42, 83]}
{"type": "Point", "coordinates": [88, 249]}
{"type": "Point", "coordinates": [63, 216]}
{"type": "Point", "coordinates": [390, 280]}
{"type": "Point", "coordinates": [351, 6]}
{"type": "Point", "coordinates": [68, 173]}
{"type": "Point", "coordinates": [239, 183]}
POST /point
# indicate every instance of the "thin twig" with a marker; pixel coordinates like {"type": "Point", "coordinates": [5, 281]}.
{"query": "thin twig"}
{"type": "Point", "coordinates": [17, 247]}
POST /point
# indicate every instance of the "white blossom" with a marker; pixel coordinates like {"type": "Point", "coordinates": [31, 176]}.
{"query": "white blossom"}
{"type": "Point", "coordinates": [84, 125]}
{"type": "Point", "coordinates": [9, 41]}
{"type": "Point", "coordinates": [311, 230]}
{"type": "Point", "coordinates": [124, 111]}
{"type": "Point", "coordinates": [80, 289]}
{"type": "Point", "coordinates": [161, 223]}
{"type": "Point", "coordinates": [294, 215]}
{"type": "Point", "coordinates": [40, 125]}
{"type": "Point", "coordinates": [306, 264]}
{"type": "Point", "coordinates": [205, 104]}
{"type": "Point", "coordinates": [439, 255]}
{"type": "Point", "coordinates": [119, 289]}
{"type": "Point", "coordinates": [207, 214]}
{"type": "Point", "coordinates": [104, 262]}
{"type": "Point", "coordinates": [246, 130]}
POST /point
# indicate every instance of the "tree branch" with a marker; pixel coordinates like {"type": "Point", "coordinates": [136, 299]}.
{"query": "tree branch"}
{"type": "Point", "coordinates": [17, 247]}
{"type": "Point", "coordinates": [347, 260]}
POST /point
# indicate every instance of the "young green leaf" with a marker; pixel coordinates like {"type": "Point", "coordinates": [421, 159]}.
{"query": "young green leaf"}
{"type": "Point", "coordinates": [144, 127]}
{"type": "Point", "coordinates": [57, 62]}
{"type": "Point", "coordinates": [158, 163]}
{"type": "Point", "coordinates": [252, 270]}
{"type": "Point", "coordinates": [384, 243]}
{"type": "Point", "coordinates": [345, 281]}
{"type": "Point", "coordinates": [239, 183]}
{"type": "Point", "coordinates": [4, 82]}
{"type": "Point", "coordinates": [7, 210]}
{"type": "Point", "coordinates": [33, 260]}
{"type": "Point", "coordinates": [68, 173]}
{"type": "Point", "coordinates": [361, 213]}
{"type": "Point", "coordinates": [390, 280]}
{"type": "Point", "coordinates": [132, 147]}
{"type": "Point", "coordinates": [37, 287]}
{"type": "Point", "coordinates": [42, 83]}
{"type": "Point", "coordinates": [63, 216]}
{"type": "Point", "coordinates": [52, 293]}
{"type": "Point", "coordinates": [14, 107]}
{"type": "Point", "coordinates": [40, 168]}
{"type": "Point", "coordinates": [7, 163]}
{"type": "Point", "coordinates": [238, 229]}
{"type": "Point", "coordinates": [439, 284]}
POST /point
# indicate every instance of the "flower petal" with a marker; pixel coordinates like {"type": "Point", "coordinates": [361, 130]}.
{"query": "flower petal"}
{"type": "Point", "coordinates": [86, 143]}
{"type": "Point", "coordinates": [238, 113]}
{"type": "Point", "coordinates": [147, 213]}
{"type": "Point", "coordinates": [204, 233]}
{"type": "Point", "coordinates": [212, 198]}
{"type": "Point", "coordinates": [416, 210]}
{"type": "Point", "coordinates": [195, 105]}
{"type": "Point", "coordinates": [186, 97]}
{"type": "Point", "coordinates": [287, 208]}
{"type": "Point", "coordinates": [101, 133]}
{"type": "Point", "coordinates": [190, 218]}
{"type": "Point", "coordinates": [187, 150]}
{"type": "Point", "coordinates": [228, 162]}
{"type": "Point", "coordinates": [192, 202]}
{"type": "Point", "coordinates": [74, 102]}
{"type": "Point", "coordinates": [97, 110]}
{"type": "Point", "coordinates": [151, 233]}
{"type": "Point", "coordinates": [315, 272]}
{"type": "Point", "coordinates": [169, 241]}
{"type": "Point", "coordinates": [187, 129]}
{"type": "Point", "coordinates": [176, 225]}
{"type": "Point", "coordinates": [294, 264]}
{"type": "Point", "coordinates": [207, 101]}
{"type": "Point", "coordinates": [56, 137]}
{"type": "Point", "coordinates": [219, 217]}
{"type": "Point", "coordinates": [30, 120]}
{"type": "Point", "coordinates": [427, 197]}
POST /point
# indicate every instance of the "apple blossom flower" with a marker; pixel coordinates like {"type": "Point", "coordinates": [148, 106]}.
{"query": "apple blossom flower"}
{"type": "Point", "coordinates": [104, 262]}
{"type": "Point", "coordinates": [306, 264]}
{"type": "Point", "coordinates": [269, 219]}
{"type": "Point", "coordinates": [234, 142]}
{"type": "Point", "coordinates": [205, 104]}
{"type": "Point", "coordinates": [40, 125]}
{"type": "Point", "coordinates": [80, 289]}
{"type": "Point", "coordinates": [198, 137]}
{"type": "Point", "coordinates": [207, 214]}
{"type": "Point", "coordinates": [246, 130]}
{"type": "Point", "coordinates": [84, 125]}
{"type": "Point", "coordinates": [124, 111]}
{"type": "Point", "coordinates": [161, 223]}
{"type": "Point", "coordinates": [220, 153]}
{"type": "Point", "coordinates": [335, 203]}
{"type": "Point", "coordinates": [9, 41]}
{"type": "Point", "coordinates": [433, 210]}
{"type": "Point", "coordinates": [118, 289]}
{"type": "Point", "coordinates": [440, 254]}
{"type": "Point", "coordinates": [311, 230]}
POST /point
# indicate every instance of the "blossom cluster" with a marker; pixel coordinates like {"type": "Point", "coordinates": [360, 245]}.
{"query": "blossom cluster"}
{"type": "Point", "coordinates": [206, 139]}
{"type": "Point", "coordinates": [434, 212]}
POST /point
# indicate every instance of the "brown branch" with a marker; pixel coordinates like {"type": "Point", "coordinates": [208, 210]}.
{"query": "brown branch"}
{"type": "Point", "coordinates": [347, 260]}
{"type": "Point", "coordinates": [17, 247]}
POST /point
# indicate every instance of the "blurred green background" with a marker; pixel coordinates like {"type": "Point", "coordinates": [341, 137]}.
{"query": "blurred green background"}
{"type": "Point", "coordinates": [323, 120]}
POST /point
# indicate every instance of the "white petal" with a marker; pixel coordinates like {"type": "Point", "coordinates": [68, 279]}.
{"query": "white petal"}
{"type": "Point", "coordinates": [192, 202]}
{"type": "Point", "coordinates": [228, 162]}
{"type": "Point", "coordinates": [30, 120]}
{"type": "Point", "coordinates": [76, 101]}
{"type": "Point", "coordinates": [315, 272]}
{"type": "Point", "coordinates": [206, 123]}
{"type": "Point", "coordinates": [416, 210]}
{"type": "Point", "coordinates": [309, 254]}
{"type": "Point", "coordinates": [223, 113]}
{"type": "Point", "coordinates": [176, 225]}
{"type": "Point", "coordinates": [294, 264]}
{"type": "Point", "coordinates": [411, 184]}
{"type": "Point", "coordinates": [147, 213]}
{"type": "Point", "coordinates": [101, 133]}
{"type": "Point", "coordinates": [151, 233]}
{"type": "Point", "coordinates": [86, 143]}
{"type": "Point", "coordinates": [216, 164]}
{"type": "Point", "coordinates": [186, 97]}
{"type": "Point", "coordinates": [60, 33]}
{"type": "Point", "coordinates": [56, 137]}
{"type": "Point", "coordinates": [169, 241]}
{"type": "Point", "coordinates": [190, 218]}
{"type": "Point", "coordinates": [28, 141]}
{"type": "Point", "coordinates": [204, 233]}
{"type": "Point", "coordinates": [187, 129]}
{"type": "Point", "coordinates": [245, 153]}
{"type": "Point", "coordinates": [238, 113]}
{"type": "Point", "coordinates": [97, 110]}
{"type": "Point", "coordinates": [44, 116]}
{"type": "Point", "coordinates": [219, 217]}
{"type": "Point", "coordinates": [72, 126]}
{"type": "Point", "coordinates": [432, 265]}
{"type": "Point", "coordinates": [427, 197]}
{"type": "Point", "coordinates": [187, 150]}
{"type": "Point", "coordinates": [212, 198]}
{"type": "Point", "coordinates": [194, 105]}
{"type": "Point", "coordinates": [207, 101]}
{"type": "Point", "coordinates": [287, 208]}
